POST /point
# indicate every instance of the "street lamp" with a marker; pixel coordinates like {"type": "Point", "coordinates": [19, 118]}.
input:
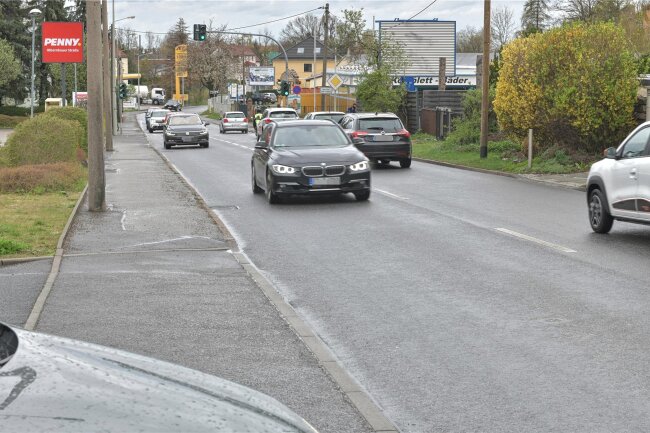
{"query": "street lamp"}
{"type": "Point", "coordinates": [34, 13]}
{"type": "Point", "coordinates": [114, 80]}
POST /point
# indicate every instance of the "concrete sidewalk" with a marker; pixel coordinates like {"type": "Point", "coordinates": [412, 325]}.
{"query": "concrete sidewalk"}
{"type": "Point", "coordinates": [155, 275]}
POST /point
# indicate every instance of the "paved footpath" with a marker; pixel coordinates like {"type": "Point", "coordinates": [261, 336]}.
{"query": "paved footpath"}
{"type": "Point", "coordinates": [154, 275]}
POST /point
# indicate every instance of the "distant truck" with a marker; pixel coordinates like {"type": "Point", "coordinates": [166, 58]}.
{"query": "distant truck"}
{"type": "Point", "coordinates": [141, 92]}
{"type": "Point", "coordinates": [158, 95]}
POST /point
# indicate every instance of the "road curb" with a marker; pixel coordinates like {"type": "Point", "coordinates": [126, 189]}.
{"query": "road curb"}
{"type": "Point", "coordinates": [37, 309]}
{"type": "Point", "coordinates": [501, 173]}
{"type": "Point", "coordinates": [18, 260]}
{"type": "Point", "coordinates": [350, 388]}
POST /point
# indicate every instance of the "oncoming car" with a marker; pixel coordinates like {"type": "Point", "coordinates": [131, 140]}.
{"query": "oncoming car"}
{"type": "Point", "coordinates": [275, 115]}
{"type": "Point", "coordinates": [335, 116]}
{"type": "Point", "coordinates": [308, 157]}
{"type": "Point", "coordinates": [185, 129]}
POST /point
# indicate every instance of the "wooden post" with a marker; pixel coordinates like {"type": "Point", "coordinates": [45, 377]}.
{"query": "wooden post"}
{"type": "Point", "coordinates": [96, 180]}
{"type": "Point", "coordinates": [530, 148]}
{"type": "Point", "coordinates": [108, 84]}
{"type": "Point", "coordinates": [485, 83]}
{"type": "Point", "coordinates": [442, 73]}
{"type": "Point", "coordinates": [479, 71]}
{"type": "Point", "coordinates": [324, 52]}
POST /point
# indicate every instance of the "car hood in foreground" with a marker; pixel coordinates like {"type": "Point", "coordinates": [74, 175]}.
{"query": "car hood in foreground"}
{"type": "Point", "coordinates": [59, 385]}
{"type": "Point", "coordinates": [308, 155]}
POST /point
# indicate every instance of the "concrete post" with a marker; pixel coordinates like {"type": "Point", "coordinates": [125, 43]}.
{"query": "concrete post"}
{"type": "Point", "coordinates": [108, 84]}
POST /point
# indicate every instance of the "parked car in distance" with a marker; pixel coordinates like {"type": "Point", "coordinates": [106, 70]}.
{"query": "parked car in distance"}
{"type": "Point", "coordinates": [185, 130]}
{"type": "Point", "coordinates": [275, 115]}
{"type": "Point", "coordinates": [55, 384]}
{"type": "Point", "coordinates": [618, 187]}
{"type": "Point", "coordinates": [264, 97]}
{"type": "Point", "coordinates": [308, 157]}
{"type": "Point", "coordinates": [384, 137]}
{"type": "Point", "coordinates": [325, 115]}
{"type": "Point", "coordinates": [234, 121]}
{"type": "Point", "coordinates": [157, 119]}
{"type": "Point", "coordinates": [173, 105]}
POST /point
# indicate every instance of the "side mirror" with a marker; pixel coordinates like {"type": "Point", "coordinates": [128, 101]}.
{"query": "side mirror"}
{"type": "Point", "coordinates": [261, 145]}
{"type": "Point", "coordinates": [206, 123]}
{"type": "Point", "coordinates": [358, 140]}
{"type": "Point", "coordinates": [610, 153]}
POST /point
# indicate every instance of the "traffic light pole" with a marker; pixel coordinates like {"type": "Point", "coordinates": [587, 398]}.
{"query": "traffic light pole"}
{"type": "Point", "coordinates": [286, 59]}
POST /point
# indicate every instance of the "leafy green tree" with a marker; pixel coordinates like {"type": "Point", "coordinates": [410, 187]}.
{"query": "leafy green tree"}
{"type": "Point", "coordinates": [574, 85]}
{"type": "Point", "coordinates": [535, 16]}
{"type": "Point", "coordinates": [9, 65]}
{"type": "Point", "coordinates": [349, 32]}
{"type": "Point", "coordinates": [14, 28]}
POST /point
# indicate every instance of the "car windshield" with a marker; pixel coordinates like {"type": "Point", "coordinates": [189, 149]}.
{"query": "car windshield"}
{"type": "Point", "coordinates": [184, 120]}
{"type": "Point", "coordinates": [160, 113]}
{"type": "Point", "coordinates": [334, 117]}
{"type": "Point", "coordinates": [309, 136]}
{"type": "Point", "coordinates": [386, 124]}
{"type": "Point", "coordinates": [235, 115]}
{"type": "Point", "coordinates": [171, 102]}
{"type": "Point", "coordinates": [283, 115]}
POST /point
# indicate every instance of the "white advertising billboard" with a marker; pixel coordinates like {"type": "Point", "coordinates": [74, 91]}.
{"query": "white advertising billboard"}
{"type": "Point", "coordinates": [423, 43]}
{"type": "Point", "coordinates": [261, 76]}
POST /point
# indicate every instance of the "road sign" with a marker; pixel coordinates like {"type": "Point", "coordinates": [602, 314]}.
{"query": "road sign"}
{"type": "Point", "coordinates": [410, 84]}
{"type": "Point", "coordinates": [326, 90]}
{"type": "Point", "coordinates": [296, 90]}
{"type": "Point", "coordinates": [335, 81]}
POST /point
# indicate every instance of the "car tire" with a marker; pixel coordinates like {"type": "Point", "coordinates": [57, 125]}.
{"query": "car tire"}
{"type": "Point", "coordinates": [362, 196]}
{"type": "Point", "coordinates": [384, 161]}
{"type": "Point", "coordinates": [244, 131]}
{"type": "Point", "coordinates": [256, 188]}
{"type": "Point", "coordinates": [167, 145]}
{"type": "Point", "coordinates": [405, 163]}
{"type": "Point", "coordinates": [220, 131]}
{"type": "Point", "coordinates": [599, 217]}
{"type": "Point", "coordinates": [271, 197]}
{"type": "Point", "coordinates": [205, 145]}
{"type": "Point", "coordinates": [151, 130]}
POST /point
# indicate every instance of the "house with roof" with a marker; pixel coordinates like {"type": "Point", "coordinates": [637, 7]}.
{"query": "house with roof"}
{"type": "Point", "coordinates": [301, 62]}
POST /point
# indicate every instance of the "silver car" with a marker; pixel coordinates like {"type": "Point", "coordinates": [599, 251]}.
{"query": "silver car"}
{"type": "Point", "coordinates": [234, 121]}
{"type": "Point", "coordinates": [56, 384]}
{"type": "Point", "coordinates": [157, 119]}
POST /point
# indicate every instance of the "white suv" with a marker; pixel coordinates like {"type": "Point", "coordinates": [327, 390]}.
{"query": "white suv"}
{"type": "Point", "coordinates": [618, 187]}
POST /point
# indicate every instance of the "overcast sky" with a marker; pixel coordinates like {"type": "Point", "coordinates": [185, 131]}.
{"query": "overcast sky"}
{"type": "Point", "coordinates": [160, 15]}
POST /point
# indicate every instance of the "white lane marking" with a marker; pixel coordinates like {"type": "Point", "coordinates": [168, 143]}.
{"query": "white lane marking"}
{"type": "Point", "coordinates": [123, 220]}
{"type": "Point", "coordinates": [390, 194]}
{"type": "Point", "coordinates": [233, 143]}
{"type": "Point", "coordinates": [535, 240]}
{"type": "Point", "coordinates": [171, 240]}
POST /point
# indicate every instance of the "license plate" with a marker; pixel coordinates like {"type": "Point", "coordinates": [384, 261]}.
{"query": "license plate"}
{"type": "Point", "coordinates": [320, 181]}
{"type": "Point", "coordinates": [382, 138]}
{"type": "Point", "coordinates": [188, 139]}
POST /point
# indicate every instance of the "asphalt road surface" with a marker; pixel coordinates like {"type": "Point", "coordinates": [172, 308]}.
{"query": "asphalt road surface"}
{"type": "Point", "coordinates": [461, 301]}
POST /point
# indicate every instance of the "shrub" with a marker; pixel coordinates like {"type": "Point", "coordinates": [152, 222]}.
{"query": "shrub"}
{"type": "Point", "coordinates": [10, 110]}
{"type": "Point", "coordinates": [42, 178]}
{"type": "Point", "coordinates": [466, 131]}
{"type": "Point", "coordinates": [574, 85]}
{"type": "Point", "coordinates": [10, 121]}
{"type": "Point", "coordinates": [73, 113]}
{"type": "Point", "coordinates": [43, 140]}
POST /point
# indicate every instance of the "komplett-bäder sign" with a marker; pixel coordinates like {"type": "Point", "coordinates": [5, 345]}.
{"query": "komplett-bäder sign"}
{"type": "Point", "coordinates": [62, 42]}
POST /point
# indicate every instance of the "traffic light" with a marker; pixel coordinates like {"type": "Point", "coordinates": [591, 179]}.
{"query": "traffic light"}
{"type": "Point", "coordinates": [284, 88]}
{"type": "Point", "coordinates": [122, 90]}
{"type": "Point", "coordinates": [200, 32]}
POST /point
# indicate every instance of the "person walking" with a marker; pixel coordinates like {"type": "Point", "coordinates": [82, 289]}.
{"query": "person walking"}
{"type": "Point", "coordinates": [353, 109]}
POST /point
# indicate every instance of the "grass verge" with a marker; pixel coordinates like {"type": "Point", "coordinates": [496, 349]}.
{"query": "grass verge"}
{"type": "Point", "coordinates": [31, 224]}
{"type": "Point", "coordinates": [503, 156]}
{"type": "Point", "coordinates": [211, 115]}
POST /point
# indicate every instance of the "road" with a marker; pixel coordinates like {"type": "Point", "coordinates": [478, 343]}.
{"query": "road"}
{"type": "Point", "coordinates": [461, 301]}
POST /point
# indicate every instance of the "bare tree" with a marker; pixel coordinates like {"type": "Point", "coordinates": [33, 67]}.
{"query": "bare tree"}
{"type": "Point", "coordinates": [305, 26]}
{"type": "Point", "coordinates": [212, 61]}
{"type": "Point", "coordinates": [469, 40]}
{"type": "Point", "coordinates": [577, 10]}
{"type": "Point", "coordinates": [503, 27]}
{"type": "Point", "coordinates": [262, 47]}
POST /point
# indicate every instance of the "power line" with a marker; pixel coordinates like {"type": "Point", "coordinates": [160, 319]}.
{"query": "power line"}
{"type": "Point", "coordinates": [428, 6]}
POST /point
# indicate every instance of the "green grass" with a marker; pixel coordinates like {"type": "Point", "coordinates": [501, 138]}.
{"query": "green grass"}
{"type": "Point", "coordinates": [211, 115]}
{"type": "Point", "coordinates": [503, 156]}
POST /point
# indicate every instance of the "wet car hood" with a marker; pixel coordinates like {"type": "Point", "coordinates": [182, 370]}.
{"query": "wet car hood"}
{"type": "Point", "coordinates": [310, 155]}
{"type": "Point", "coordinates": [59, 385]}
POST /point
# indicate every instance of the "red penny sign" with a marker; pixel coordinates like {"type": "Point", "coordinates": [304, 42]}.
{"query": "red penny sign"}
{"type": "Point", "coordinates": [63, 42]}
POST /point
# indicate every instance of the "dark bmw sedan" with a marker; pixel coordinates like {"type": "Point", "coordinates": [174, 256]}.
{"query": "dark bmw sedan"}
{"type": "Point", "coordinates": [308, 157]}
{"type": "Point", "coordinates": [53, 384]}
{"type": "Point", "coordinates": [185, 129]}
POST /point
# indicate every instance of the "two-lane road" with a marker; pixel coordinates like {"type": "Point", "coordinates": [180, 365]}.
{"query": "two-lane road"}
{"type": "Point", "coordinates": [461, 301]}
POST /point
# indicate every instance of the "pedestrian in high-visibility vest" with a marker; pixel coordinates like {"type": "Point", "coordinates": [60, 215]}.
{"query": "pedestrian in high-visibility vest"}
{"type": "Point", "coordinates": [257, 118]}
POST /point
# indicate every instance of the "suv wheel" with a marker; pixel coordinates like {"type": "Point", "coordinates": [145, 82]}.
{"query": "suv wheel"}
{"type": "Point", "coordinates": [405, 163]}
{"type": "Point", "coordinates": [599, 218]}
{"type": "Point", "coordinates": [256, 189]}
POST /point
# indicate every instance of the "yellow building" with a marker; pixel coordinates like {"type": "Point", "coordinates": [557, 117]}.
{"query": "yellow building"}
{"type": "Point", "coordinates": [301, 63]}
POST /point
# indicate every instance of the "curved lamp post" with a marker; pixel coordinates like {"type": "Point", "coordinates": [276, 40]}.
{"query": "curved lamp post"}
{"type": "Point", "coordinates": [34, 13]}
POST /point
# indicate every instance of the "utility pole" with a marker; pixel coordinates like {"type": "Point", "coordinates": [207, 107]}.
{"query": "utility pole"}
{"type": "Point", "coordinates": [326, 19]}
{"type": "Point", "coordinates": [108, 85]}
{"type": "Point", "coordinates": [96, 179]}
{"type": "Point", "coordinates": [485, 84]}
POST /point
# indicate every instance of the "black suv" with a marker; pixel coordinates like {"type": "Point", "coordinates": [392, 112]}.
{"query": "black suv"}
{"type": "Point", "coordinates": [384, 137]}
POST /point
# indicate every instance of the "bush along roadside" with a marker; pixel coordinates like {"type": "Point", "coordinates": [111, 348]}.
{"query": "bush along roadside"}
{"type": "Point", "coordinates": [41, 177]}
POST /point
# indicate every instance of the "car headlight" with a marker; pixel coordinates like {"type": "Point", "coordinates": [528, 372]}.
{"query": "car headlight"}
{"type": "Point", "coordinates": [283, 169]}
{"type": "Point", "coordinates": [169, 133]}
{"type": "Point", "coordinates": [204, 131]}
{"type": "Point", "coordinates": [360, 166]}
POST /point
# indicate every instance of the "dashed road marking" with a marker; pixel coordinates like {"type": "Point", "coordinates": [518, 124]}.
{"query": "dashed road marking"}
{"type": "Point", "coordinates": [390, 194]}
{"type": "Point", "coordinates": [535, 240]}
